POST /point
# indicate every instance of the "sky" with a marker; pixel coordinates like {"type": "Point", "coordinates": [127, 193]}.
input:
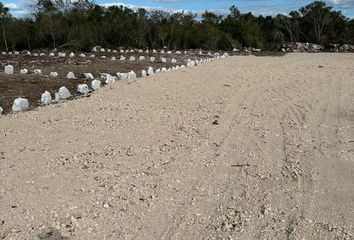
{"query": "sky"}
{"type": "Point", "coordinates": [257, 7]}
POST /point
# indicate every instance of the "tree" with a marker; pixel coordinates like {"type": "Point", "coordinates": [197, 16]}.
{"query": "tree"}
{"type": "Point", "coordinates": [5, 17]}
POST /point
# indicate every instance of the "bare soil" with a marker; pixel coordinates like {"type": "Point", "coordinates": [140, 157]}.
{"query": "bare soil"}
{"type": "Point", "coordinates": [242, 148]}
{"type": "Point", "coordinates": [32, 86]}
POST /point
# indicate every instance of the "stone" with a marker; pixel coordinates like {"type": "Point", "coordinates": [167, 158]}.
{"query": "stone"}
{"type": "Point", "coordinates": [143, 73]}
{"type": "Point", "coordinates": [51, 54]}
{"type": "Point", "coordinates": [60, 54]}
{"type": "Point", "coordinates": [132, 58]}
{"type": "Point", "coordinates": [169, 52]}
{"type": "Point", "coordinates": [173, 60]}
{"type": "Point", "coordinates": [53, 74]}
{"type": "Point", "coordinates": [46, 98]}
{"type": "Point", "coordinates": [150, 71]}
{"type": "Point", "coordinates": [83, 88]}
{"type": "Point", "coordinates": [131, 75]}
{"type": "Point", "coordinates": [9, 69]}
{"type": "Point", "coordinates": [88, 76]}
{"type": "Point", "coordinates": [122, 76]}
{"type": "Point", "coordinates": [92, 56]}
{"type": "Point", "coordinates": [64, 93]}
{"type": "Point", "coordinates": [23, 71]}
{"type": "Point", "coordinates": [122, 58]}
{"type": "Point", "coordinates": [96, 48]}
{"type": "Point", "coordinates": [70, 75]}
{"type": "Point", "coordinates": [20, 104]}
{"type": "Point", "coordinates": [108, 78]}
{"type": "Point", "coordinates": [82, 55]}
{"type": "Point", "coordinates": [71, 55]}
{"type": "Point", "coordinates": [163, 69]}
{"type": "Point", "coordinates": [164, 60]}
{"type": "Point", "coordinates": [152, 59]}
{"type": "Point", "coordinates": [96, 84]}
{"type": "Point", "coordinates": [1, 110]}
{"type": "Point", "coordinates": [56, 97]}
{"type": "Point", "coordinates": [37, 71]}
{"type": "Point", "coordinates": [141, 58]}
{"type": "Point", "coordinates": [113, 59]}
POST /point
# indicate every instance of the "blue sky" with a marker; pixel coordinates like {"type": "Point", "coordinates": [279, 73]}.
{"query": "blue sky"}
{"type": "Point", "coordinates": [264, 7]}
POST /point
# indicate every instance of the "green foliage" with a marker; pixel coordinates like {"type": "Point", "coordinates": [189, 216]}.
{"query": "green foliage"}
{"type": "Point", "coordinates": [83, 24]}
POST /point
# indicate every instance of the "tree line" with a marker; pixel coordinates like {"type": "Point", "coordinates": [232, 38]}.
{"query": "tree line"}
{"type": "Point", "coordinates": [83, 24]}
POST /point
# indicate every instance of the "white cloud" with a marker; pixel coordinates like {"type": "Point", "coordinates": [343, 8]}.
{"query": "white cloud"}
{"type": "Point", "coordinates": [11, 6]}
{"type": "Point", "coordinates": [343, 4]}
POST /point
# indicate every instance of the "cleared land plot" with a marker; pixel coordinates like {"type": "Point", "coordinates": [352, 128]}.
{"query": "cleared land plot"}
{"type": "Point", "coordinates": [241, 148]}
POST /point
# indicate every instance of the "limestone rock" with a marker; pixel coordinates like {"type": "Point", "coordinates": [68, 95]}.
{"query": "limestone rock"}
{"type": "Point", "coordinates": [53, 74]}
{"type": "Point", "coordinates": [20, 104]}
{"type": "Point", "coordinates": [83, 88]}
{"type": "Point", "coordinates": [88, 76]}
{"type": "Point", "coordinates": [70, 75]}
{"type": "Point", "coordinates": [96, 84]}
{"type": "Point", "coordinates": [150, 71]}
{"type": "Point", "coordinates": [46, 98]}
{"type": "Point", "coordinates": [122, 76]}
{"type": "Point", "coordinates": [23, 71]}
{"type": "Point", "coordinates": [9, 69]}
{"type": "Point", "coordinates": [37, 71]}
{"type": "Point", "coordinates": [64, 93]}
{"type": "Point", "coordinates": [131, 75]}
{"type": "Point", "coordinates": [143, 73]}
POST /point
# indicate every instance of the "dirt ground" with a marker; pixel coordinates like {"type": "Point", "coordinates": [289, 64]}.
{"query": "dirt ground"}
{"type": "Point", "coordinates": [32, 86]}
{"type": "Point", "coordinates": [241, 148]}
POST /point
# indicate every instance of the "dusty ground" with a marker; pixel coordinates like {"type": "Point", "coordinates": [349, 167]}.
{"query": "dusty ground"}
{"type": "Point", "coordinates": [242, 148]}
